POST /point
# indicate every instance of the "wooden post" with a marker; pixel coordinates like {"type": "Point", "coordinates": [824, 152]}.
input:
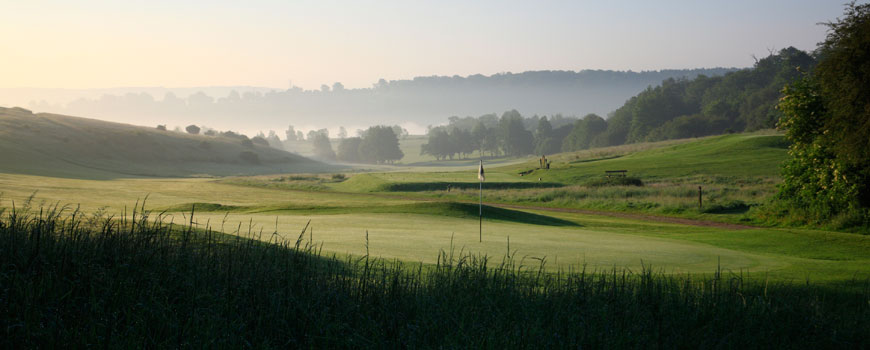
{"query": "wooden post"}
{"type": "Point", "coordinates": [480, 214]}
{"type": "Point", "coordinates": [700, 201]}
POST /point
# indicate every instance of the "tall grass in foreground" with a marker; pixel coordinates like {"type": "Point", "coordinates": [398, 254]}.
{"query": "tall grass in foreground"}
{"type": "Point", "coordinates": [74, 280]}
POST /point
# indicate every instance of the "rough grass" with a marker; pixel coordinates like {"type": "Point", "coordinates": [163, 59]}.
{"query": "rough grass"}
{"type": "Point", "coordinates": [730, 198]}
{"type": "Point", "coordinates": [81, 280]}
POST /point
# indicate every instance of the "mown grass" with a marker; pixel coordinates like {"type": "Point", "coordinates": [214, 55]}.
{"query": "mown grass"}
{"type": "Point", "coordinates": [76, 280]}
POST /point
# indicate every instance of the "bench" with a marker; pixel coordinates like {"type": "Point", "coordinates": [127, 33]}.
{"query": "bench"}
{"type": "Point", "coordinates": [617, 173]}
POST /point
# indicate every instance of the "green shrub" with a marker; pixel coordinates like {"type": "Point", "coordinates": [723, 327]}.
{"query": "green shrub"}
{"type": "Point", "coordinates": [614, 181]}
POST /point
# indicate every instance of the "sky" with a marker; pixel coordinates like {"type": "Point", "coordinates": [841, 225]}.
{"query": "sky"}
{"type": "Point", "coordinates": [102, 44]}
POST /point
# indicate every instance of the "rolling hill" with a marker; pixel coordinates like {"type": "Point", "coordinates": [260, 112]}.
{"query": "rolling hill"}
{"type": "Point", "coordinates": [64, 146]}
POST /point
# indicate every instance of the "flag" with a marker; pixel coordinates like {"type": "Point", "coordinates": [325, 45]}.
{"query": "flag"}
{"type": "Point", "coordinates": [480, 173]}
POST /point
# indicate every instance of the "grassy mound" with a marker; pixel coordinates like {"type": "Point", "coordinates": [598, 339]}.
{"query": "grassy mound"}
{"type": "Point", "coordinates": [63, 146]}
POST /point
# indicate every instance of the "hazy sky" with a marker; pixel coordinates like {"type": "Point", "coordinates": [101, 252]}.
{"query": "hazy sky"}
{"type": "Point", "coordinates": [91, 44]}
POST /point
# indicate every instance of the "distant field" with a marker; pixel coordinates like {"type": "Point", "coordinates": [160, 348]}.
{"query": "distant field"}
{"type": "Point", "coordinates": [411, 146]}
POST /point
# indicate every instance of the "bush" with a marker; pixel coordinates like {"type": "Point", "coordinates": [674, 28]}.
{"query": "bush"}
{"type": "Point", "coordinates": [192, 129]}
{"type": "Point", "coordinates": [614, 181]}
{"type": "Point", "coordinates": [730, 207]}
{"type": "Point", "coordinates": [260, 141]}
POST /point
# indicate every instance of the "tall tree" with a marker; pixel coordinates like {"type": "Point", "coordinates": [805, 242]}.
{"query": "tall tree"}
{"type": "Point", "coordinates": [322, 146]}
{"type": "Point", "coordinates": [515, 139]}
{"type": "Point", "coordinates": [438, 144]}
{"type": "Point", "coordinates": [584, 131]}
{"type": "Point", "coordinates": [348, 150]}
{"type": "Point", "coordinates": [843, 75]}
{"type": "Point", "coordinates": [478, 137]}
{"type": "Point", "coordinates": [826, 116]}
{"type": "Point", "coordinates": [380, 145]}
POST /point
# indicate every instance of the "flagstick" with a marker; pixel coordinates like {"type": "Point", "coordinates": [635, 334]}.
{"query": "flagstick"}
{"type": "Point", "coordinates": [480, 178]}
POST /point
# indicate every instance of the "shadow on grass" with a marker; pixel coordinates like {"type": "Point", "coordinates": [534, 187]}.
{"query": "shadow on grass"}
{"type": "Point", "coordinates": [731, 207]}
{"type": "Point", "coordinates": [471, 211]}
{"type": "Point", "coordinates": [449, 209]}
{"type": "Point", "coordinates": [442, 186]}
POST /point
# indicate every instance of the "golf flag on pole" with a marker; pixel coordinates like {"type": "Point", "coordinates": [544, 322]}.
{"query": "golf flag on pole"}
{"type": "Point", "coordinates": [480, 204]}
{"type": "Point", "coordinates": [480, 173]}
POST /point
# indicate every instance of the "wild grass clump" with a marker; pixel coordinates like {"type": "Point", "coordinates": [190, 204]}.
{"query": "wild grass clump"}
{"type": "Point", "coordinates": [73, 280]}
{"type": "Point", "coordinates": [855, 220]}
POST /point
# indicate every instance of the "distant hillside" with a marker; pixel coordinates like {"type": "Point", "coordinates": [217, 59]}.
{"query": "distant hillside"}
{"type": "Point", "coordinates": [744, 100]}
{"type": "Point", "coordinates": [422, 100]}
{"type": "Point", "coordinates": [57, 145]}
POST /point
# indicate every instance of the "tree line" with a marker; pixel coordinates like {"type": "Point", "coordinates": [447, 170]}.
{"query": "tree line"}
{"type": "Point", "coordinates": [739, 101]}
{"type": "Point", "coordinates": [420, 100]}
{"type": "Point", "coordinates": [376, 145]}
{"type": "Point", "coordinates": [743, 100]}
{"type": "Point", "coordinates": [490, 135]}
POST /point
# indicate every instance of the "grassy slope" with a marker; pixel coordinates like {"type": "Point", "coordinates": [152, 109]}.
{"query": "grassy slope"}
{"type": "Point", "coordinates": [737, 173]}
{"type": "Point", "coordinates": [743, 155]}
{"type": "Point", "coordinates": [63, 146]}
